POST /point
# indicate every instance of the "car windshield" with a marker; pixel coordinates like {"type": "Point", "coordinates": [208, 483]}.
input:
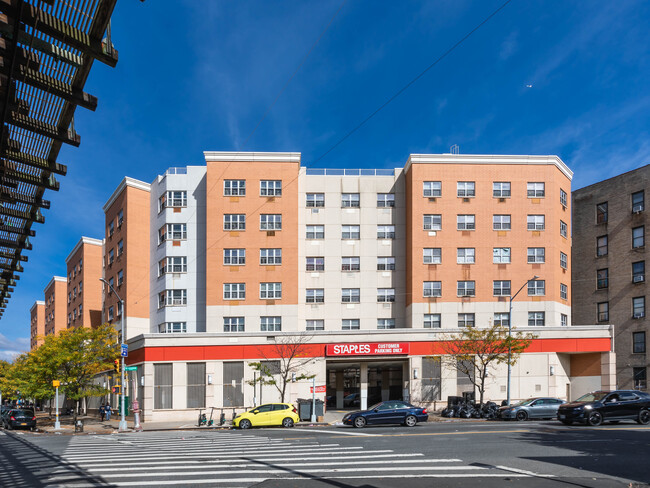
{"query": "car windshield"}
{"type": "Point", "coordinates": [24, 413]}
{"type": "Point", "coordinates": [592, 397]}
{"type": "Point", "coordinates": [376, 405]}
{"type": "Point", "coordinates": [524, 402]}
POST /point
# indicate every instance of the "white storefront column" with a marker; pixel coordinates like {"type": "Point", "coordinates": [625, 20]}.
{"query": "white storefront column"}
{"type": "Point", "coordinates": [364, 385]}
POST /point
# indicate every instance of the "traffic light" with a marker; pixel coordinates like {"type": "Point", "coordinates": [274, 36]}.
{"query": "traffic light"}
{"type": "Point", "coordinates": [116, 389]}
{"type": "Point", "coordinates": [116, 366]}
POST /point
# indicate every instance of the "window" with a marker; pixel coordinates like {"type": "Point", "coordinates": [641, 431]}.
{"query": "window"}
{"type": "Point", "coordinates": [385, 200]}
{"type": "Point", "coordinates": [315, 232]}
{"type": "Point", "coordinates": [638, 307]}
{"type": "Point", "coordinates": [271, 222]}
{"type": "Point", "coordinates": [638, 237]}
{"type": "Point", "coordinates": [431, 321]}
{"type": "Point", "coordinates": [601, 213]}
{"type": "Point", "coordinates": [564, 230]}
{"type": "Point", "coordinates": [385, 232]}
{"type": "Point", "coordinates": [536, 319]}
{"type": "Point", "coordinates": [315, 295]}
{"type": "Point", "coordinates": [74, 292]}
{"type": "Point", "coordinates": [168, 298]}
{"type": "Point", "coordinates": [465, 320]}
{"type": "Point", "coordinates": [638, 342]}
{"type": "Point", "coordinates": [163, 384]}
{"type": "Point", "coordinates": [234, 222]}
{"type": "Point", "coordinates": [465, 255]}
{"type": "Point", "coordinates": [120, 218]}
{"type": "Point", "coordinates": [120, 247]}
{"type": "Point", "coordinates": [535, 190]}
{"type": "Point", "coordinates": [501, 189]}
{"type": "Point", "coordinates": [638, 272]}
{"type": "Point", "coordinates": [501, 288]}
{"type": "Point", "coordinates": [501, 255]}
{"type": "Point", "coordinates": [501, 222]}
{"type": "Point", "coordinates": [81, 284]}
{"type": "Point", "coordinates": [234, 291]}
{"type": "Point", "coordinates": [465, 189]}
{"type": "Point", "coordinates": [350, 232]}
{"type": "Point", "coordinates": [502, 319]}
{"type": "Point", "coordinates": [315, 325]}
{"type": "Point", "coordinates": [432, 288]}
{"type": "Point", "coordinates": [350, 324]}
{"type": "Point", "coordinates": [119, 308]}
{"type": "Point", "coordinates": [270, 291]}
{"type": "Point", "coordinates": [602, 278]}
{"type": "Point", "coordinates": [466, 288]}
{"type": "Point", "coordinates": [563, 198]}
{"type": "Point", "coordinates": [536, 254]}
{"type": "Point", "coordinates": [270, 324]}
{"type": "Point", "coordinates": [172, 327]}
{"type": "Point", "coordinates": [70, 318]}
{"type": "Point", "coordinates": [233, 324]}
{"type": "Point", "coordinates": [432, 188]}
{"type": "Point", "coordinates": [74, 314]}
{"type": "Point", "coordinates": [315, 264]}
{"type": "Point", "coordinates": [640, 376]}
{"type": "Point", "coordinates": [176, 199]}
{"type": "Point", "coordinates": [195, 385]}
{"type": "Point", "coordinates": [350, 295]}
{"type": "Point", "coordinates": [564, 291]}
{"type": "Point", "coordinates": [535, 222]}
{"type": "Point", "coordinates": [271, 188]}
{"type": "Point", "coordinates": [350, 200]}
{"type": "Point", "coordinates": [432, 222]}
{"type": "Point", "coordinates": [350, 263]}
{"type": "Point", "coordinates": [271, 256]}
{"type": "Point", "coordinates": [385, 323]}
{"type": "Point", "coordinates": [111, 257]}
{"type": "Point", "coordinates": [432, 255]}
{"type": "Point", "coordinates": [536, 288]}
{"type": "Point", "coordinates": [465, 222]}
{"type": "Point", "coordinates": [385, 263]}
{"type": "Point", "coordinates": [234, 257]}
{"type": "Point", "coordinates": [234, 188]}
{"type": "Point", "coordinates": [603, 311]}
{"type": "Point", "coordinates": [111, 229]}
{"type": "Point", "coordinates": [120, 278]}
{"type": "Point", "coordinates": [174, 232]}
{"type": "Point", "coordinates": [563, 261]}
{"type": "Point", "coordinates": [385, 295]}
{"type": "Point", "coordinates": [315, 199]}
{"type": "Point", "coordinates": [69, 297]}
{"type": "Point", "coordinates": [564, 320]}
{"type": "Point", "coordinates": [638, 201]}
{"type": "Point", "coordinates": [601, 246]}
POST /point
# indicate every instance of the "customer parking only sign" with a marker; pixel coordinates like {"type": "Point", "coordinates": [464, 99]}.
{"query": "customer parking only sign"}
{"type": "Point", "coordinates": [367, 349]}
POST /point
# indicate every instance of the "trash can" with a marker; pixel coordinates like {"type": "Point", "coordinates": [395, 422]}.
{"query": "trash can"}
{"type": "Point", "coordinates": [79, 426]}
{"type": "Point", "coordinates": [469, 397]}
{"type": "Point", "coordinates": [305, 408]}
{"type": "Point", "coordinates": [452, 401]}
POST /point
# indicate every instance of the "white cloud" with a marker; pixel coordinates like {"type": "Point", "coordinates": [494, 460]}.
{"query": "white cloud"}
{"type": "Point", "coordinates": [509, 46]}
{"type": "Point", "coordinates": [10, 348]}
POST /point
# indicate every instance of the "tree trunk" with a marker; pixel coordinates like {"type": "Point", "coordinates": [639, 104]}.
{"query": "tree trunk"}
{"type": "Point", "coordinates": [482, 388]}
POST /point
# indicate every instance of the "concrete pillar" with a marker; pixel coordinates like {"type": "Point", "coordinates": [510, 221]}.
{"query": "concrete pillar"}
{"type": "Point", "coordinates": [406, 380]}
{"type": "Point", "coordinates": [385, 385]}
{"type": "Point", "coordinates": [339, 389]}
{"type": "Point", "coordinates": [363, 380]}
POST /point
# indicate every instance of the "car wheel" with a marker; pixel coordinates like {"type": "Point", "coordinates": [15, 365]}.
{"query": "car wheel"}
{"type": "Point", "coordinates": [359, 422]}
{"type": "Point", "coordinates": [245, 424]}
{"type": "Point", "coordinates": [288, 422]}
{"type": "Point", "coordinates": [595, 419]}
{"type": "Point", "coordinates": [410, 421]}
{"type": "Point", "coordinates": [644, 417]}
{"type": "Point", "coordinates": [521, 415]}
{"type": "Point", "coordinates": [567, 422]}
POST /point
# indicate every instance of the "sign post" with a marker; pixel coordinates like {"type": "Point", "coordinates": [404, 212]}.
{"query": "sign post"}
{"type": "Point", "coordinates": [57, 424]}
{"type": "Point", "coordinates": [313, 399]}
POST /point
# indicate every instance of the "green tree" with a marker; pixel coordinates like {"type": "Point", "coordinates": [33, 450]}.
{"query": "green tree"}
{"type": "Point", "coordinates": [474, 349]}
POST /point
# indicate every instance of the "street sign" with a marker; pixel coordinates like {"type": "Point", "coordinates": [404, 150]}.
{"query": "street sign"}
{"type": "Point", "coordinates": [131, 368]}
{"type": "Point", "coordinates": [125, 351]}
{"type": "Point", "coordinates": [56, 383]}
{"type": "Point", "coordinates": [319, 389]}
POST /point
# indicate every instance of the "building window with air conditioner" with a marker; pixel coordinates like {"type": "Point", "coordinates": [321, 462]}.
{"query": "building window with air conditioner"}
{"type": "Point", "coordinates": [432, 189]}
{"type": "Point", "coordinates": [638, 201]}
{"type": "Point", "coordinates": [638, 307]}
{"type": "Point", "coordinates": [638, 237]}
{"type": "Point", "coordinates": [638, 272]}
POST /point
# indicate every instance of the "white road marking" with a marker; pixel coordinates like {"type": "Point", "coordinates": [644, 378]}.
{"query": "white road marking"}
{"type": "Point", "coordinates": [523, 471]}
{"type": "Point", "coordinates": [338, 432]}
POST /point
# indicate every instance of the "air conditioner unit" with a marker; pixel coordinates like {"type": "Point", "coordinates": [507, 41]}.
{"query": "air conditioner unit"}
{"type": "Point", "coordinates": [639, 315]}
{"type": "Point", "coordinates": [638, 278]}
{"type": "Point", "coordinates": [637, 208]}
{"type": "Point", "coordinates": [315, 210]}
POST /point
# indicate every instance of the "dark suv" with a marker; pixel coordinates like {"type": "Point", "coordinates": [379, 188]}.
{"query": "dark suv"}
{"type": "Point", "coordinates": [607, 406]}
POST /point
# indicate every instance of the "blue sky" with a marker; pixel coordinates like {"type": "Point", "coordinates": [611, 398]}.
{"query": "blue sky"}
{"type": "Point", "coordinates": [195, 76]}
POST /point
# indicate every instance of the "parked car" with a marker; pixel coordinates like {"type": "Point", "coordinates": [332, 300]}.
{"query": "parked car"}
{"type": "Point", "coordinates": [19, 418]}
{"type": "Point", "coordinates": [607, 406]}
{"type": "Point", "coordinates": [532, 408]}
{"type": "Point", "coordinates": [267, 415]}
{"type": "Point", "coordinates": [352, 400]}
{"type": "Point", "coordinates": [390, 412]}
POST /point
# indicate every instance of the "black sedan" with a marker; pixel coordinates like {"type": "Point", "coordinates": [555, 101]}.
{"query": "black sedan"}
{"type": "Point", "coordinates": [607, 406]}
{"type": "Point", "coordinates": [19, 418]}
{"type": "Point", "coordinates": [390, 412]}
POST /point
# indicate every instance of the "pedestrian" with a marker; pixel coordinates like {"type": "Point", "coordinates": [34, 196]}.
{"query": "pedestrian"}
{"type": "Point", "coordinates": [108, 411]}
{"type": "Point", "coordinates": [102, 412]}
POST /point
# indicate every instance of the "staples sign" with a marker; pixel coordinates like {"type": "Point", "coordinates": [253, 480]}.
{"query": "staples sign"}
{"type": "Point", "coordinates": [375, 348]}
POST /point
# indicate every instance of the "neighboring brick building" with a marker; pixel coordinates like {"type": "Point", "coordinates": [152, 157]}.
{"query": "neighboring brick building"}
{"type": "Point", "coordinates": [609, 267]}
{"type": "Point", "coordinates": [55, 305]}
{"type": "Point", "coordinates": [85, 268]}
{"type": "Point", "coordinates": [37, 315]}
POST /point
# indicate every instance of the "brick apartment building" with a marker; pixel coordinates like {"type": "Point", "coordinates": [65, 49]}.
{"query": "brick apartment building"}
{"type": "Point", "coordinates": [55, 305]}
{"type": "Point", "coordinates": [84, 266]}
{"type": "Point", "coordinates": [609, 267]}
{"type": "Point", "coordinates": [37, 324]}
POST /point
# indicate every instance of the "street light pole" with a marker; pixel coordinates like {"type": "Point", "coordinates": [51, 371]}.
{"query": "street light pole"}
{"type": "Point", "coordinates": [123, 426]}
{"type": "Point", "coordinates": [511, 298]}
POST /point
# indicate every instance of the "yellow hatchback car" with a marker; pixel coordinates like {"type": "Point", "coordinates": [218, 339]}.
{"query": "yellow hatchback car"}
{"type": "Point", "coordinates": [266, 415]}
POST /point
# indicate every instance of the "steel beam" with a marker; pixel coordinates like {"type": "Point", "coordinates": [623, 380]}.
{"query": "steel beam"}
{"type": "Point", "coordinates": [17, 230]}
{"type": "Point", "coordinates": [16, 267]}
{"type": "Point", "coordinates": [44, 129]}
{"type": "Point", "coordinates": [9, 196]}
{"type": "Point", "coordinates": [25, 244]}
{"type": "Point", "coordinates": [21, 214]}
{"type": "Point", "coordinates": [46, 182]}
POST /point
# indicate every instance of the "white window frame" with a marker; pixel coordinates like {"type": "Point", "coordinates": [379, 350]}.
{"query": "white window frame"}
{"type": "Point", "coordinates": [270, 222]}
{"type": "Point", "coordinates": [536, 255]}
{"type": "Point", "coordinates": [501, 288]}
{"type": "Point", "coordinates": [350, 200]}
{"type": "Point", "coordinates": [536, 319]}
{"type": "Point", "coordinates": [385, 295]}
{"type": "Point", "coordinates": [271, 323]}
{"type": "Point", "coordinates": [564, 320]}
{"type": "Point", "coordinates": [315, 295]}
{"type": "Point", "coordinates": [385, 232]}
{"type": "Point", "coordinates": [501, 319]}
{"type": "Point", "coordinates": [535, 189]}
{"type": "Point", "coordinates": [350, 324]}
{"type": "Point", "coordinates": [271, 256]}
{"type": "Point", "coordinates": [234, 257]}
{"type": "Point", "coordinates": [271, 188]}
{"type": "Point", "coordinates": [564, 260]}
{"type": "Point", "coordinates": [315, 232]}
{"type": "Point", "coordinates": [385, 263]}
{"type": "Point", "coordinates": [466, 288]}
{"type": "Point", "coordinates": [234, 188]}
{"type": "Point", "coordinates": [501, 189]}
{"type": "Point", "coordinates": [466, 320]}
{"type": "Point", "coordinates": [172, 328]}
{"type": "Point", "coordinates": [234, 291]}
{"type": "Point", "coordinates": [234, 222]}
{"type": "Point", "coordinates": [432, 321]}
{"type": "Point", "coordinates": [432, 255]}
{"type": "Point", "coordinates": [314, 263]}
{"type": "Point", "coordinates": [385, 323]}
{"type": "Point", "coordinates": [234, 324]}
{"type": "Point", "coordinates": [432, 189]}
{"type": "Point", "coordinates": [432, 288]}
{"type": "Point", "coordinates": [350, 232]}
{"type": "Point", "coordinates": [564, 229]}
{"type": "Point", "coordinates": [314, 324]}
{"type": "Point", "coordinates": [563, 198]}
{"type": "Point", "coordinates": [385, 200]}
{"type": "Point", "coordinates": [271, 291]}
{"type": "Point", "coordinates": [432, 222]}
{"type": "Point", "coordinates": [535, 222]}
{"type": "Point", "coordinates": [465, 255]}
{"type": "Point", "coordinates": [564, 291]}
{"type": "Point", "coordinates": [501, 222]}
{"type": "Point", "coordinates": [537, 288]}
{"type": "Point", "coordinates": [350, 263]}
{"type": "Point", "coordinates": [172, 298]}
{"type": "Point", "coordinates": [466, 189]}
{"type": "Point", "coordinates": [350, 295]}
{"type": "Point", "coordinates": [501, 255]}
{"type": "Point", "coordinates": [315, 200]}
{"type": "Point", "coordinates": [466, 222]}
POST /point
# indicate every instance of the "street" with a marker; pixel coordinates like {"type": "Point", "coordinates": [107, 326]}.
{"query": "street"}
{"type": "Point", "coordinates": [537, 454]}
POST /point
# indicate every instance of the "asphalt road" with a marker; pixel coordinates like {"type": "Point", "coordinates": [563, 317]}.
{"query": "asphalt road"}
{"type": "Point", "coordinates": [440, 454]}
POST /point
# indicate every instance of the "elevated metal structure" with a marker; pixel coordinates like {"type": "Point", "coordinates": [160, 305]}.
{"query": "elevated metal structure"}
{"type": "Point", "coordinates": [47, 48]}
